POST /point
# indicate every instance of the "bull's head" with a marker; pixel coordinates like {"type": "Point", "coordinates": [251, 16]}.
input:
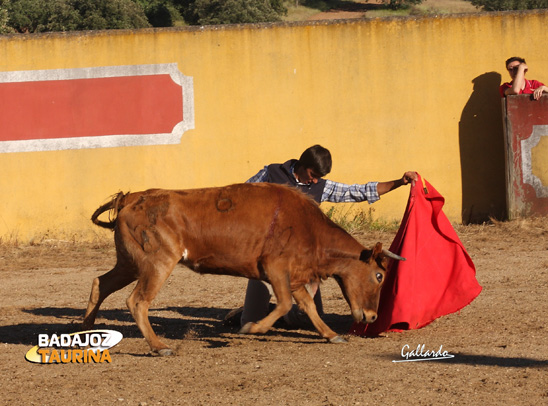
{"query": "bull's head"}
{"type": "Point", "coordinates": [361, 282]}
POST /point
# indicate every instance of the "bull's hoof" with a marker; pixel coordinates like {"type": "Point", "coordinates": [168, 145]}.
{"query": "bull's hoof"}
{"type": "Point", "coordinates": [164, 352]}
{"type": "Point", "coordinates": [246, 329]}
{"type": "Point", "coordinates": [337, 340]}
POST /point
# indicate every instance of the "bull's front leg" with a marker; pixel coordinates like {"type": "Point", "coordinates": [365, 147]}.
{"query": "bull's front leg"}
{"type": "Point", "coordinates": [306, 303]}
{"type": "Point", "coordinates": [280, 286]}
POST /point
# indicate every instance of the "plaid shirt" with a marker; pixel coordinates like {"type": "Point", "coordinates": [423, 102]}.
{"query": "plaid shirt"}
{"type": "Point", "coordinates": [335, 192]}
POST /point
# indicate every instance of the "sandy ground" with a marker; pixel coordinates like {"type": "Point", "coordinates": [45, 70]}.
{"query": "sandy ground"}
{"type": "Point", "coordinates": [499, 342]}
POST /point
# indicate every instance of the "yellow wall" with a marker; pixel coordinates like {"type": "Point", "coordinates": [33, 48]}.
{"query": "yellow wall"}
{"type": "Point", "coordinates": [384, 95]}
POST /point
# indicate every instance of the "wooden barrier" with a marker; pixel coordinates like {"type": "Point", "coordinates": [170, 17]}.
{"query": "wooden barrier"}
{"type": "Point", "coordinates": [526, 135]}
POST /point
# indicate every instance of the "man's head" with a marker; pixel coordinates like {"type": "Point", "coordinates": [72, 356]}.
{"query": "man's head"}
{"type": "Point", "coordinates": [314, 163]}
{"type": "Point", "coordinates": [512, 65]}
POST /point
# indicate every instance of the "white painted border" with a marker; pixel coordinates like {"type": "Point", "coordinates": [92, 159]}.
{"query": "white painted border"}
{"type": "Point", "coordinates": [105, 141]}
{"type": "Point", "coordinates": [526, 160]}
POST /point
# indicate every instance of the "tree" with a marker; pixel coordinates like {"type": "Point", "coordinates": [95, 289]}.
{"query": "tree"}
{"type": "Point", "coordinates": [4, 27]}
{"type": "Point", "coordinates": [500, 5]}
{"type": "Point", "coordinates": [110, 14]}
{"type": "Point", "coordinates": [69, 15]}
{"type": "Point", "coordinates": [205, 12]}
{"type": "Point", "coordinates": [26, 15]}
{"type": "Point", "coordinates": [161, 13]}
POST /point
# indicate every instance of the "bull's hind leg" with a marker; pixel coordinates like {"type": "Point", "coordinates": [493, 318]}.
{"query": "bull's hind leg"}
{"type": "Point", "coordinates": [306, 303]}
{"type": "Point", "coordinates": [152, 277]}
{"type": "Point", "coordinates": [116, 279]}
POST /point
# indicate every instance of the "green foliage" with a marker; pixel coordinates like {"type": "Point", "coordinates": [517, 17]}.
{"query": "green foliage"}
{"type": "Point", "coordinates": [4, 27]}
{"type": "Point", "coordinates": [500, 5]}
{"type": "Point", "coordinates": [110, 14]}
{"type": "Point", "coordinates": [69, 15]}
{"type": "Point", "coordinates": [29, 16]}
{"type": "Point", "coordinates": [207, 12]}
{"type": "Point", "coordinates": [161, 13]}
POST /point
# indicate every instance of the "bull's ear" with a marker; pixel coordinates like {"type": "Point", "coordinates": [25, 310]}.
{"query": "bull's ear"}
{"type": "Point", "coordinates": [367, 255]}
{"type": "Point", "coordinates": [377, 250]}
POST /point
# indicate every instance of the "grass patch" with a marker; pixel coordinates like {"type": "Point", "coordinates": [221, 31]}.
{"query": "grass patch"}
{"type": "Point", "coordinates": [356, 221]}
{"type": "Point", "coordinates": [302, 10]}
{"type": "Point", "coordinates": [387, 12]}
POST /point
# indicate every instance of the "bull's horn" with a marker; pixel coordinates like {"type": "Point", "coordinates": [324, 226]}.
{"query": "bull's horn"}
{"type": "Point", "coordinates": [392, 255]}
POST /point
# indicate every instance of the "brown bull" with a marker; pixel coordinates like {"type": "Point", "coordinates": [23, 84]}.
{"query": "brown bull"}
{"type": "Point", "coordinates": [259, 231]}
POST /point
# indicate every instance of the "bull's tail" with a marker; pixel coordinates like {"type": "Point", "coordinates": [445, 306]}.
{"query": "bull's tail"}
{"type": "Point", "coordinates": [114, 206]}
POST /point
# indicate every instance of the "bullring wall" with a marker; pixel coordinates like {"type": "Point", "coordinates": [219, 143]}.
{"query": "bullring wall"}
{"type": "Point", "coordinates": [384, 95]}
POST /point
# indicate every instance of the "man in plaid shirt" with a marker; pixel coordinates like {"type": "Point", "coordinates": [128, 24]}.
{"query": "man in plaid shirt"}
{"type": "Point", "coordinates": [307, 174]}
{"type": "Point", "coordinates": [333, 192]}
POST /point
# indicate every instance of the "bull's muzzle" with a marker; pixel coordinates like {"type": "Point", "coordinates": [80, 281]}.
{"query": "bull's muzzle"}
{"type": "Point", "coordinates": [364, 316]}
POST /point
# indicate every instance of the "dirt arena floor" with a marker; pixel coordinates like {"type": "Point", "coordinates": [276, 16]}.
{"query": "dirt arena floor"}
{"type": "Point", "coordinates": [499, 342]}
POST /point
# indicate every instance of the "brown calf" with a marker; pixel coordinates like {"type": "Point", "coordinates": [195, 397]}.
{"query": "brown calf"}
{"type": "Point", "coordinates": [259, 231]}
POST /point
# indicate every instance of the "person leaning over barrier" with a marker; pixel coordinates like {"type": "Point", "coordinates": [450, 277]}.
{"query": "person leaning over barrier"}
{"type": "Point", "coordinates": [306, 174]}
{"type": "Point", "coordinates": [517, 68]}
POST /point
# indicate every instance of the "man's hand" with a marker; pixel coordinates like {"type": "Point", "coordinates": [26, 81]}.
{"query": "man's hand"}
{"type": "Point", "coordinates": [409, 177]}
{"type": "Point", "coordinates": [538, 92]}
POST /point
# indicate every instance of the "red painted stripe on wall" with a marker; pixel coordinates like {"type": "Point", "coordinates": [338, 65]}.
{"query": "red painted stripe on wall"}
{"type": "Point", "coordinates": [94, 107]}
{"type": "Point", "coordinates": [90, 107]}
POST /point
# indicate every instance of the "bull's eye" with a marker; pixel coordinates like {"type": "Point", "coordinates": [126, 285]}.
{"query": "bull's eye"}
{"type": "Point", "coordinates": [379, 277]}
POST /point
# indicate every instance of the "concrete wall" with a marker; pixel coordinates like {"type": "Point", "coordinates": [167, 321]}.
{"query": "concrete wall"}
{"type": "Point", "coordinates": [384, 95]}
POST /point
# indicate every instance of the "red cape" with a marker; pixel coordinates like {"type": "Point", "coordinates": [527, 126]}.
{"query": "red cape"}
{"type": "Point", "coordinates": [438, 276]}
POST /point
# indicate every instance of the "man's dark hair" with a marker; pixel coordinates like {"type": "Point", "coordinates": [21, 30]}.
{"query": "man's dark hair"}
{"type": "Point", "coordinates": [316, 158]}
{"type": "Point", "coordinates": [513, 59]}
